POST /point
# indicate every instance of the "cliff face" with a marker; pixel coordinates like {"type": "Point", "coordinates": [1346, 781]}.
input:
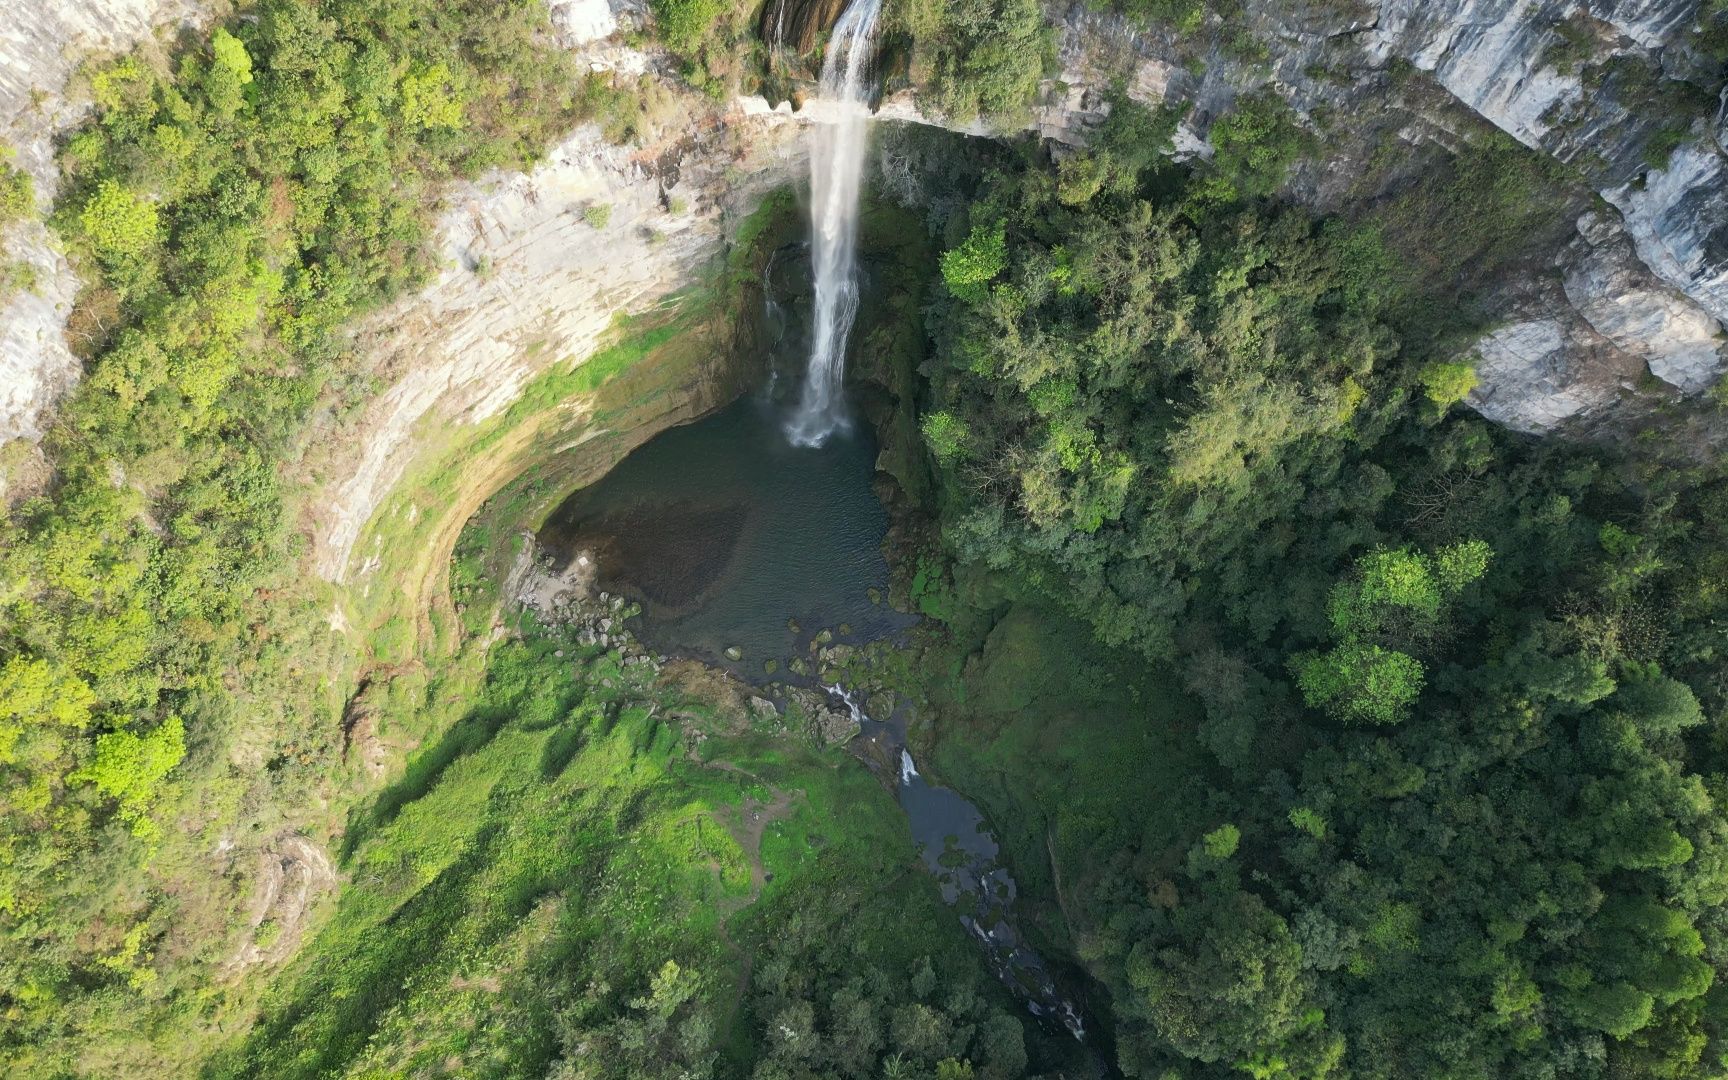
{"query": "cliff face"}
{"type": "Point", "coordinates": [1598, 86]}
{"type": "Point", "coordinates": [1643, 286]}
{"type": "Point", "coordinates": [1601, 112]}
{"type": "Point", "coordinates": [40, 48]}
{"type": "Point", "coordinates": [538, 267]}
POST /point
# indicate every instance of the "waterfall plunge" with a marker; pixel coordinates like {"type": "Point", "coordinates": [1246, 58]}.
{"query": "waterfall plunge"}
{"type": "Point", "coordinates": [836, 173]}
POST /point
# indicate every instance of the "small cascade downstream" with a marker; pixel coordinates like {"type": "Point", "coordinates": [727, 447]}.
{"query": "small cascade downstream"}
{"type": "Point", "coordinates": [837, 152]}
{"type": "Point", "coordinates": [955, 843]}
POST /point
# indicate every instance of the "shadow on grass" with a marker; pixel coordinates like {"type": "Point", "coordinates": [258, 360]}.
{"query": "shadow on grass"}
{"type": "Point", "coordinates": [464, 737]}
{"type": "Point", "coordinates": [560, 749]}
{"type": "Point", "coordinates": [335, 1011]}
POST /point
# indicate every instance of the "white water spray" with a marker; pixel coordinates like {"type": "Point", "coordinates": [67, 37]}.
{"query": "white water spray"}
{"type": "Point", "coordinates": [836, 174]}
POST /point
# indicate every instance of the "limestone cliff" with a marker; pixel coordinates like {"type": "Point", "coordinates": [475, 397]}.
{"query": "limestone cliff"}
{"type": "Point", "coordinates": [1642, 286]}
{"type": "Point", "coordinates": [40, 48]}
{"type": "Point", "coordinates": [1598, 86]}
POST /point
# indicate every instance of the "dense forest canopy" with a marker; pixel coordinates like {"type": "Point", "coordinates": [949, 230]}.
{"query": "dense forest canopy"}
{"type": "Point", "coordinates": [1488, 843]}
{"type": "Point", "coordinates": [1431, 714]}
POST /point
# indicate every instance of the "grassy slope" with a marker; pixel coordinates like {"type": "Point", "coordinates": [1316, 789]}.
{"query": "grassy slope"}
{"type": "Point", "coordinates": [567, 835]}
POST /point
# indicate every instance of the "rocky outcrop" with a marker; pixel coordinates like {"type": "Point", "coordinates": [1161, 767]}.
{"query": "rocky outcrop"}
{"type": "Point", "coordinates": [291, 874]}
{"type": "Point", "coordinates": [539, 264]}
{"type": "Point", "coordinates": [1678, 217]}
{"type": "Point", "coordinates": [40, 47]}
{"type": "Point", "coordinates": [1539, 371]}
{"type": "Point", "coordinates": [1582, 82]}
{"type": "Point", "coordinates": [537, 267]}
{"type": "Point", "coordinates": [1627, 304]}
{"type": "Point", "coordinates": [1507, 60]}
{"type": "Point", "coordinates": [1499, 57]}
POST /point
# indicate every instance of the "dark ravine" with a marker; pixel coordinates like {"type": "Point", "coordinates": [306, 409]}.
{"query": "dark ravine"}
{"type": "Point", "coordinates": [744, 552]}
{"type": "Point", "coordinates": [958, 848]}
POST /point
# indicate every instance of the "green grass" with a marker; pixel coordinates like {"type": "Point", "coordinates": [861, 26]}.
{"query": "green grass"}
{"type": "Point", "coordinates": [561, 836]}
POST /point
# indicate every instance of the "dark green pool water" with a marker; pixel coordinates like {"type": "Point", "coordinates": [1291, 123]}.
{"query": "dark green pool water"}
{"type": "Point", "coordinates": [727, 535]}
{"type": "Point", "coordinates": [731, 537]}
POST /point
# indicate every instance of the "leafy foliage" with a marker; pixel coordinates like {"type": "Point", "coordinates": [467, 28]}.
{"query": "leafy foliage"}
{"type": "Point", "coordinates": [945, 436]}
{"type": "Point", "coordinates": [17, 194]}
{"type": "Point", "coordinates": [229, 214]}
{"type": "Point", "coordinates": [1447, 382]}
{"type": "Point", "coordinates": [1454, 686]}
{"type": "Point", "coordinates": [974, 58]}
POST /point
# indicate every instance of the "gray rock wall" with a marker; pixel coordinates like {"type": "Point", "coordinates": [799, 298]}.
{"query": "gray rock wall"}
{"type": "Point", "coordinates": [41, 44]}
{"type": "Point", "coordinates": [1645, 286]}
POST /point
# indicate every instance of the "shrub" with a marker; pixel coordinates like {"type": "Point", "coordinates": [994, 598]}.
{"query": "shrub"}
{"type": "Point", "coordinates": [1446, 383]}
{"type": "Point", "coordinates": [17, 194]}
{"type": "Point", "coordinates": [945, 435]}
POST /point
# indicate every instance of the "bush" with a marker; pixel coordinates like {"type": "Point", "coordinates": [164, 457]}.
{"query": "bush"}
{"type": "Point", "coordinates": [17, 194]}
{"type": "Point", "coordinates": [945, 435]}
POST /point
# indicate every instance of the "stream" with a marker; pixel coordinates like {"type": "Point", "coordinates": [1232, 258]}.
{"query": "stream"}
{"type": "Point", "coordinates": [746, 533]}
{"type": "Point", "coordinates": [740, 546]}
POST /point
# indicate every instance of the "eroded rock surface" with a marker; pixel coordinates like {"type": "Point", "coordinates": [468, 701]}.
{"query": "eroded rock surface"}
{"type": "Point", "coordinates": [292, 873]}
{"type": "Point", "coordinates": [41, 44]}
{"type": "Point", "coordinates": [1537, 373]}
{"type": "Point", "coordinates": [1622, 300]}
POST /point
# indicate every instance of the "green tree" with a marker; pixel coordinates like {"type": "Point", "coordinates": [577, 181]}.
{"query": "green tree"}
{"type": "Point", "coordinates": [1227, 988]}
{"type": "Point", "coordinates": [1360, 682]}
{"type": "Point", "coordinates": [1256, 143]}
{"type": "Point", "coordinates": [1447, 382]}
{"type": "Point", "coordinates": [229, 76]}
{"type": "Point", "coordinates": [945, 435]}
{"type": "Point", "coordinates": [968, 269]}
{"type": "Point", "coordinates": [1221, 842]}
{"type": "Point", "coordinates": [130, 768]}
{"type": "Point", "coordinates": [120, 223]}
{"type": "Point", "coordinates": [430, 100]}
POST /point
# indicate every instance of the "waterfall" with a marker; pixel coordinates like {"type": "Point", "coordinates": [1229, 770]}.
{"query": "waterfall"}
{"type": "Point", "coordinates": [836, 172]}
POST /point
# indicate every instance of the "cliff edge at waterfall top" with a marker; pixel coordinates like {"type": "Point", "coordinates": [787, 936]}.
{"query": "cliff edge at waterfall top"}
{"type": "Point", "coordinates": [864, 539]}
